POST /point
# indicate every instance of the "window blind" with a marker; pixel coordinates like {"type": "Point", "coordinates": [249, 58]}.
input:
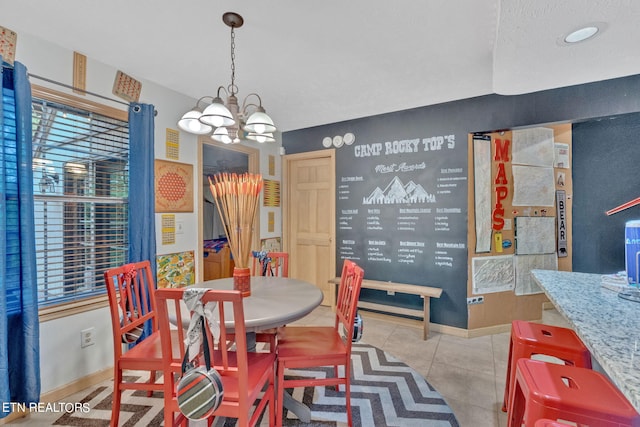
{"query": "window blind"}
{"type": "Point", "coordinates": [81, 172]}
{"type": "Point", "coordinates": [8, 154]}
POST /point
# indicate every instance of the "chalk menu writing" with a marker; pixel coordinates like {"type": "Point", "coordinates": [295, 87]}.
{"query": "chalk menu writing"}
{"type": "Point", "coordinates": [401, 208]}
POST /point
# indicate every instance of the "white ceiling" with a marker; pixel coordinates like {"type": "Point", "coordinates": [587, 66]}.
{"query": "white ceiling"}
{"type": "Point", "coordinates": [317, 62]}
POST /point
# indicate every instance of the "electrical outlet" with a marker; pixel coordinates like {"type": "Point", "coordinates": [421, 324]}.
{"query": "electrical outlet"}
{"type": "Point", "coordinates": [87, 337]}
{"type": "Point", "coordinates": [475, 300]}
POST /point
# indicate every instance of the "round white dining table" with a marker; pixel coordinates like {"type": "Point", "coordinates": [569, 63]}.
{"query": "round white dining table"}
{"type": "Point", "coordinates": [274, 301]}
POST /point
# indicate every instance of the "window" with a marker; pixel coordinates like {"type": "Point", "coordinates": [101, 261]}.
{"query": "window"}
{"type": "Point", "coordinates": [81, 172]}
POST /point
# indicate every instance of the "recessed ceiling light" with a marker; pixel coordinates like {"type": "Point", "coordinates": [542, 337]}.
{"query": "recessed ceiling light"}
{"type": "Point", "coordinates": [583, 33]}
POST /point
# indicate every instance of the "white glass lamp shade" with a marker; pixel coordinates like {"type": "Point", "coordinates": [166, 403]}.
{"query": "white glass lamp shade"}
{"type": "Point", "coordinates": [190, 123]}
{"type": "Point", "coordinates": [259, 123]}
{"type": "Point", "coordinates": [221, 134]}
{"type": "Point", "coordinates": [217, 115]}
{"type": "Point", "coordinates": [261, 137]}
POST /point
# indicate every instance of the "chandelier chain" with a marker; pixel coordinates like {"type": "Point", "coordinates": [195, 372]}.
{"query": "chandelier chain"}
{"type": "Point", "coordinates": [232, 87]}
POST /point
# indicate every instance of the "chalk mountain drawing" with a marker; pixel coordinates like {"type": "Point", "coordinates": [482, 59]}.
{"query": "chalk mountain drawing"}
{"type": "Point", "coordinates": [397, 192]}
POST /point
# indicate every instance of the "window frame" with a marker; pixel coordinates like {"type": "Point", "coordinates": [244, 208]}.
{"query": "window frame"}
{"type": "Point", "coordinates": [89, 303]}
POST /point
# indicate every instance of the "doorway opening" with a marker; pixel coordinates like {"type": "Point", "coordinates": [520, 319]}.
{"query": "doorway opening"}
{"type": "Point", "coordinates": [216, 158]}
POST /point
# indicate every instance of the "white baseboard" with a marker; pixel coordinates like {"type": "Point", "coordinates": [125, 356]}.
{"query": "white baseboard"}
{"type": "Point", "coordinates": [60, 393]}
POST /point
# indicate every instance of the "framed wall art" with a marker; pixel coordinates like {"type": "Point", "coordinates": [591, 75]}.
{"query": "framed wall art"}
{"type": "Point", "coordinates": [126, 87]}
{"type": "Point", "coordinates": [173, 186]}
{"type": "Point", "coordinates": [271, 195]}
{"type": "Point", "coordinates": [8, 41]}
{"type": "Point", "coordinates": [176, 270]}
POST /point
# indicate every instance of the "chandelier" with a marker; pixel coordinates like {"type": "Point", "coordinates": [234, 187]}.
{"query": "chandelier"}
{"type": "Point", "coordinates": [228, 123]}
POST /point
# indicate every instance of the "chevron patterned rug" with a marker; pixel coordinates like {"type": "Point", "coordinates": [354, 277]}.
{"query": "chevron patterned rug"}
{"type": "Point", "coordinates": [384, 392]}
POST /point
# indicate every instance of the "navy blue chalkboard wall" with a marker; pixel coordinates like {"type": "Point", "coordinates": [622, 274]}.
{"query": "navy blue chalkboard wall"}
{"type": "Point", "coordinates": [410, 234]}
{"type": "Point", "coordinates": [606, 163]}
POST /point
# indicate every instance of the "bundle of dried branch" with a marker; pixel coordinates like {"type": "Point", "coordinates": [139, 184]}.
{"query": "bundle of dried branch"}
{"type": "Point", "coordinates": [236, 196]}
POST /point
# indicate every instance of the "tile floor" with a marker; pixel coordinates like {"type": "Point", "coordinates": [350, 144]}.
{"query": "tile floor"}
{"type": "Point", "coordinates": [468, 372]}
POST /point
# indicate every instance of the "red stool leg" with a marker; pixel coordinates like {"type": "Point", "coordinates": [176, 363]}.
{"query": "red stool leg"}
{"type": "Point", "coordinates": [510, 376]}
{"type": "Point", "coordinates": [515, 412]}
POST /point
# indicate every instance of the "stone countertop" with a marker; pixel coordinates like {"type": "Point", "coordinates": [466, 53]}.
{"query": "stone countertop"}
{"type": "Point", "coordinates": [607, 324]}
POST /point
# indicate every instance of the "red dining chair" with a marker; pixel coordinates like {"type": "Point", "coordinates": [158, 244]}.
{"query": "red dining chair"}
{"type": "Point", "coordinates": [315, 346]}
{"type": "Point", "coordinates": [274, 264]}
{"type": "Point", "coordinates": [247, 377]}
{"type": "Point", "coordinates": [131, 300]}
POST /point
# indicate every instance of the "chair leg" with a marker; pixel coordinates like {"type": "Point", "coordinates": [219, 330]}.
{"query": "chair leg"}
{"type": "Point", "coordinates": [169, 415]}
{"type": "Point", "coordinates": [347, 387]}
{"type": "Point", "coordinates": [117, 394]}
{"type": "Point", "coordinates": [272, 407]}
{"type": "Point", "coordinates": [280, 399]}
{"type": "Point", "coordinates": [152, 380]}
{"type": "Point", "coordinates": [243, 420]}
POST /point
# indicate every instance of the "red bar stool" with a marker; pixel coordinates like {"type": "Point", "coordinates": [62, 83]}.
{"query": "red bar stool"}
{"type": "Point", "coordinates": [529, 339]}
{"type": "Point", "coordinates": [552, 391]}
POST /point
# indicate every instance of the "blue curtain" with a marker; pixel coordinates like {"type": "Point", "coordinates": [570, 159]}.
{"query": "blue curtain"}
{"type": "Point", "coordinates": [19, 326]}
{"type": "Point", "coordinates": [142, 230]}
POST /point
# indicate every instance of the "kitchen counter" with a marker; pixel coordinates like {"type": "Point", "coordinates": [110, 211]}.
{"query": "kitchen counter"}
{"type": "Point", "coordinates": [607, 324]}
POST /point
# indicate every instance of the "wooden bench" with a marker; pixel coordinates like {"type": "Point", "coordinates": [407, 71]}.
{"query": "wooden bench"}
{"type": "Point", "coordinates": [425, 292]}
